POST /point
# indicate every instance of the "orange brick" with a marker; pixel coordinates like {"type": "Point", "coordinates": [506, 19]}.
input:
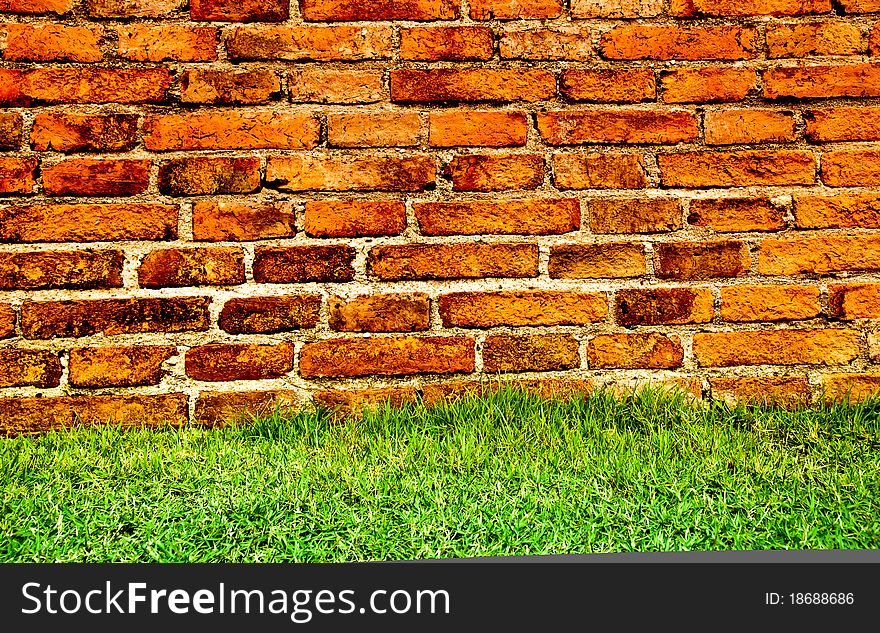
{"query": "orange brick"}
{"type": "Point", "coordinates": [547, 352]}
{"type": "Point", "coordinates": [133, 8]}
{"type": "Point", "coordinates": [786, 391]}
{"type": "Point", "coordinates": [641, 215]}
{"type": "Point", "coordinates": [599, 171]}
{"type": "Point", "coordinates": [293, 264]}
{"type": "Point", "coordinates": [267, 315]}
{"type": "Point", "coordinates": [53, 42]}
{"type": "Point", "coordinates": [387, 356]}
{"type": "Point", "coordinates": [776, 347]}
{"type": "Point", "coordinates": [145, 43]}
{"type": "Point", "coordinates": [852, 387]}
{"type": "Point", "coordinates": [736, 215]}
{"type": "Point", "coordinates": [804, 82]}
{"type": "Point", "coordinates": [178, 267]}
{"type": "Point", "coordinates": [874, 41]}
{"type": "Point", "coordinates": [17, 175]}
{"type": "Point", "coordinates": [219, 408]}
{"type": "Point", "coordinates": [522, 308]}
{"type": "Point", "coordinates": [819, 255]}
{"type": "Point", "coordinates": [860, 6]}
{"type": "Point", "coordinates": [67, 132]}
{"type": "Point", "coordinates": [816, 38]}
{"type": "Point", "coordinates": [596, 261]}
{"type": "Point", "coordinates": [510, 217]}
{"type": "Point", "coordinates": [737, 169]}
{"type": "Point", "coordinates": [453, 261]}
{"type": "Point", "coordinates": [87, 222]}
{"type": "Point", "coordinates": [515, 9]}
{"type": "Point", "coordinates": [342, 10]}
{"type": "Point", "coordinates": [736, 8]}
{"type": "Point", "coordinates": [470, 128]}
{"type": "Point", "coordinates": [701, 260]}
{"type": "Point", "coordinates": [59, 269]}
{"type": "Point", "coordinates": [226, 221]}
{"type": "Point", "coordinates": [565, 43]}
{"type": "Point", "coordinates": [350, 173]}
{"type": "Point", "coordinates": [96, 177]}
{"type": "Point", "coordinates": [354, 218]}
{"type": "Point", "coordinates": [642, 41]}
{"type": "Point", "coordinates": [635, 351]}
{"type": "Point", "coordinates": [733, 127]}
{"type": "Point", "coordinates": [353, 402]}
{"type": "Point", "coordinates": [229, 86]}
{"type": "Point", "coordinates": [608, 86]}
{"type": "Point", "coordinates": [670, 306]}
{"type": "Point", "coordinates": [225, 362]}
{"type": "Point", "coordinates": [309, 43]}
{"type": "Point", "coordinates": [232, 130]}
{"type": "Point", "coordinates": [118, 366]}
{"type": "Point", "coordinates": [36, 6]}
{"type": "Point", "coordinates": [10, 130]}
{"type": "Point", "coordinates": [335, 86]}
{"type": "Point", "coordinates": [94, 85]}
{"type": "Point", "coordinates": [843, 124]}
{"type": "Point", "coordinates": [472, 84]}
{"type": "Point", "coordinates": [769, 303]}
{"type": "Point", "coordinates": [496, 172]}
{"type": "Point", "coordinates": [446, 43]}
{"type": "Point", "coordinates": [617, 9]}
{"type": "Point", "coordinates": [689, 85]}
{"type": "Point", "coordinates": [857, 210]}
{"type": "Point", "coordinates": [209, 175]}
{"type": "Point", "coordinates": [7, 320]}
{"type": "Point", "coordinates": [381, 313]}
{"type": "Point", "coordinates": [851, 168]}
{"type": "Point", "coordinates": [573, 127]}
{"type": "Point", "coordinates": [240, 10]}
{"type": "Point", "coordinates": [374, 129]}
{"type": "Point", "coordinates": [854, 301]}
{"type": "Point", "coordinates": [29, 368]}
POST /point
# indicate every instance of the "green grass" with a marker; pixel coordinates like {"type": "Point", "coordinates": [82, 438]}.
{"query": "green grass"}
{"type": "Point", "coordinates": [505, 474]}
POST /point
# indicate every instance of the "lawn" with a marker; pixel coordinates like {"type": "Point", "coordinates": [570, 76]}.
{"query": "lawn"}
{"type": "Point", "coordinates": [504, 474]}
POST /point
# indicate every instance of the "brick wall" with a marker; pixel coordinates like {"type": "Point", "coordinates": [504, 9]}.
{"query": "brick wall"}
{"type": "Point", "coordinates": [214, 206]}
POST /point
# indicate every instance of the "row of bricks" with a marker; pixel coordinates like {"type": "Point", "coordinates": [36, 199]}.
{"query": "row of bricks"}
{"type": "Point", "coordinates": [187, 43]}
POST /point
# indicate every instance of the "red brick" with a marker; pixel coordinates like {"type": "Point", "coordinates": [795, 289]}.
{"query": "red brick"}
{"type": "Point", "coordinates": [178, 267]}
{"type": "Point", "coordinates": [644, 41]}
{"type": "Point", "coordinates": [470, 128]}
{"type": "Point", "coordinates": [350, 173]}
{"type": "Point", "coordinates": [232, 130]}
{"type": "Point", "coordinates": [548, 352]}
{"type": "Point", "coordinates": [608, 86]}
{"type": "Point", "coordinates": [293, 264]}
{"type": "Point", "coordinates": [564, 43]}
{"type": "Point", "coordinates": [95, 85]}
{"type": "Point", "coordinates": [209, 175]}
{"type": "Point", "coordinates": [701, 260]}
{"type": "Point", "coordinates": [96, 177]}
{"type": "Point", "coordinates": [843, 124]}
{"type": "Point", "coordinates": [381, 313]}
{"type": "Point", "coordinates": [222, 221]}
{"type": "Point", "coordinates": [573, 127]}
{"type": "Point", "coordinates": [387, 356]}
{"type": "Point", "coordinates": [511, 217]}
{"type": "Point", "coordinates": [737, 169]}
{"type": "Point", "coordinates": [736, 215]}
{"type": "Point", "coordinates": [736, 8]}
{"type": "Point", "coordinates": [360, 10]}
{"type": "Point", "coordinates": [26, 416]}
{"type": "Point", "coordinates": [48, 319]}
{"type": "Point", "coordinates": [853, 168]}
{"type": "Point", "coordinates": [17, 175]}
{"type": "Point", "coordinates": [61, 269]}
{"type": "Point", "coordinates": [776, 347]}
{"type": "Point", "coordinates": [815, 38]}
{"type": "Point", "coordinates": [854, 301]}
{"type": "Point", "coordinates": [217, 409]}
{"type": "Point", "coordinates": [516, 9]}
{"type": "Point", "coordinates": [145, 43]}
{"type": "Point", "coordinates": [447, 43]}
{"type": "Point", "coordinates": [267, 315]}
{"type": "Point", "coordinates": [229, 86]}
{"type": "Point", "coordinates": [29, 368]}
{"type": "Point", "coordinates": [309, 43]}
{"type": "Point", "coordinates": [786, 391]}
{"type": "Point", "coordinates": [87, 222]}
{"type": "Point", "coordinates": [820, 255]}
{"type": "Point", "coordinates": [805, 82]}
{"type": "Point", "coordinates": [599, 171]}
{"type": "Point", "coordinates": [379, 129]}
{"type": "Point", "coordinates": [335, 86]}
{"type": "Point", "coordinates": [36, 6]}
{"type": "Point", "coordinates": [453, 261]}
{"type": "Point", "coordinates": [472, 84]}
{"type": "Point", "coordinates": [134, 8]}
{"type": "Point", "coordinates": [769, 303]}
{"type": "Point", "coordinates": [66, 132]}
{"type": "Point", "coordinates": [627, 215]}
{"type": "Point", "coordinates": [496, 172]}
{"type": "Point", "coordinates": [670, 306]}
{"type": "Point", "coordinates": [240, 10]}
{"type": "Point", "coordinates": [522, 308]}
{"type": "Point", "coordinates": [10, 130]}
{"type": "Point", "coordinates": [733, 127]}
{"type": "Point", "coordinates": [53, 42]}
{"type": "Point", "coordinates": [354, 218]}
{"type": "Point", "coordinates": [7, 320]}
{"type": "Point", "coordinates": [635, 351]}
{"type": "Point", "coordinates": [226, 362]}
{"type": "Point", "coordinates": [702, 85]}
{"type": "Point", "coordinates": [857, 210]}
{"type": "Point", "coordinates": [597, 261]}
{"type": "Point", "coordinates": [119, 366]}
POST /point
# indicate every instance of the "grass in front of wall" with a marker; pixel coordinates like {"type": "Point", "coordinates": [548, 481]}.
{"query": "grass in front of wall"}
{"type": "Point", "coordinates": [506, 473]}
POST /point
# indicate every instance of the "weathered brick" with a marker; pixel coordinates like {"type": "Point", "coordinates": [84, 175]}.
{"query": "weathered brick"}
{"type": "Point", "coordinates": [522, 308]}
{"type": "Point", "coordinates": [387, 356]}
{"type": "Point", "coordinates": [17, 175]}
{"type": "Point", "coordinates": [67, 132]}
{"type": "Point", "coordinates": [10, 130]}
{"type": "Point", "coordinates": [229, 86]}
{"type": "Point", "coordinates": [87, 222]}
{"type": "Point", "coordinates": [737, 8]}
{"type": "Point", "coordinates": [294, 264]}
{"type": "Point", "coordinates": [635, 351]}
{"type": "Point", "coordinates": [854, 301]}
{"type": "Point", "coordinates": [178, 267]}
{"type": "Point", "coordinates": [819, 255]}
{"type": "Point", "coordinates": [671, 306]}
{"type": "Point", "coordinates": [733, 127]}
{"type": "Point", "coordinates": [53, 42]}
{"type": "Point", "coordinates": [860, 6]}
{"type": "Point", "coordinates": [36, 6]}
{"type": "Point", "coordinates": [220, 362]}
{"type": "Point", "coordinates": [496, 172]}
{"type": "Point", "coordinates": [573, 127]}
{"type": "Point", "coordinates": [208, 175]}
{"type": "Point", "coordinates": [852, 387]}
{"type": "Point", "coordinates": [737, 169]}
{"type": "Point", "coordinates": [240, 10]}
{"type": "Point", "coordinates": [379, 129]}
{"type": "Point", "coordinates": [267, 315]}
{"type": "Point", "coordinates": [515, 9]}
{"type": "Point", "coordinates": [644, 41]}
{"type": "Point", "coordinates": [736, 215]}
{"type": "Point", "coordinates": [354, 218]}
{"type": "Point", "coordinates": [596, 261]}
{"type": "Point", "coordinates": [708, 84]}
{"type": "Point", "coordinates": [544, 387]}
{"type": "Point", "coordinates": [25, 416]}
{"type": "Point", "coordinates": [769, 303]}
{"type": "Point", "coordinates": [547, 352]}
{"type": "Point", "coordinates": [353, 402]}
{"type": "Point", "coordinates": [616, 9]}
{"type": "Point", "coordinates": [29, 368]}
{"type": "Point", "coordinates": [96, 177]}
{"type": "Point", "coordinates": [635, 215]}
{"type": "Point", "coordinates": [381, 313]}
{"type": "Point", "coordinates": [232, 130]}
{"type": "Point", "coordinates": [851, 168]}
{"type": "Point", "coordinates": [47, 319]}
{"type": "Point", "coordinates": [220, 408]}
{"type": "Point", "coordinates": [446, 43]}
{"type": "Point", "coordinates": [7, 320]}
{"type": "Point", "coordinates": [309, 43]}
{"type": "Point", "coordinates": [134, 8]}
{"type": "Point", "coordinates": [511, 217]}
{"type": "Point", "coordinates": [843, 124]}
{"type": "Point", "coordinates": [608, 85]}
{"type": "Point", "coordinates": [350, 173]}
{"type": "Point", "coordinates": [599, 171]}
{"type": "Point", "coordinates": [807, 82]}
{"type": "Point", "coordinates": [701, 260]}
{"type": "Point", "coordinates": [146, 43]}
{"type": "Point", "coordinates": [222, 221]}
{"type": "Point", "coordinates": [453, 261]}
{"type": "Point", "coordinates": [335, 86]}
{"type": "Point", "coordinates": [472, 84]}
{"type": "Point", "coordinates": [470, 128]}
{"type": "Point", "coordinates": [562, 43]}
{"type": "Point", "coordinates": [94, 85]}
{"type": "Point", "coordinates": [874, 40]}
{"type": "Point", "coordinates": [814, 38]}
{"type": "Point", "coordinates": [855, 210]}
{"type": "Point", "coordinates": [119, 366]}
{"type": "Point", "coordinates": [776, 347]}
{"type": "Point", "coordinates": [61, 269]}
{"type": "Point", "coordinates": [786, 391]}
{"type": "Point", "coordinates": [343, 10]}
